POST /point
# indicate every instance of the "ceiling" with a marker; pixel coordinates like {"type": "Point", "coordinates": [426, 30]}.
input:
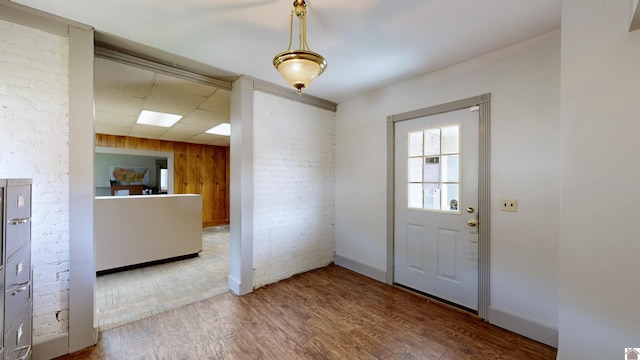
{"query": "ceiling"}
{"type": "Point", "coordinates": [123, 91]}
{"type": "Point", "coordinates": [368, 44]}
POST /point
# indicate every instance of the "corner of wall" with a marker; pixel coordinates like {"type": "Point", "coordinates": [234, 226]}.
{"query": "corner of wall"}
{"type": "Point", "coordinates": [361, 268]}
{"type": "Point", "coordinates": [241, 188]}
{"type": "Point", "coordinates": [635, 16]}
{"type": "Point", "coordinates": [543, 333]}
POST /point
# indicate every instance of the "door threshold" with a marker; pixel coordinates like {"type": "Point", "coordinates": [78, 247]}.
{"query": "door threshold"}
{"type": "Point", "coordinates": [436, 299]}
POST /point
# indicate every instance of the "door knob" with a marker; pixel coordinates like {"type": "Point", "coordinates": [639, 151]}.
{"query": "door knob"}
{"type": "Point", "coordinates": [472, 222]}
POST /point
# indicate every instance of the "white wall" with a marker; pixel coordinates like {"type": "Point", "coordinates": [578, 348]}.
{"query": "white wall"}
{"type": "Point", "coordinates": [294, 180]}
{"type": "Point", "coordinates": [524, 82]}
{"type": "Point", "coordinates": [34, 137]}
{"type": "Point", "coordinates": [600, 238]}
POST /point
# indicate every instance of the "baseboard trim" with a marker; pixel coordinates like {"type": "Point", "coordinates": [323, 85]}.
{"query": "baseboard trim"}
{"type": "Point", "coordinates": [51, 347]}
{"type": "Point", "coordinates": [361, 268]}
{"type": "Point", "coordinates": [234, 285]}
{"type": "Point", "coordinates": [237, 287]}
{"type": "Point", "coordinates": [534, 330]}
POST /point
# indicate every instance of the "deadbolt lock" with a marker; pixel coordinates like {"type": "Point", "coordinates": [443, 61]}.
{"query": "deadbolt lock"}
{"type": "Point", "coordinates": [471, 210]}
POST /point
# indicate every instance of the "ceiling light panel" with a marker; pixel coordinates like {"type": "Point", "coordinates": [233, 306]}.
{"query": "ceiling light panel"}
{"type": "Point", "coordinates": [157, 118]}
{"type": "Point", "coordinates": [222, 129]}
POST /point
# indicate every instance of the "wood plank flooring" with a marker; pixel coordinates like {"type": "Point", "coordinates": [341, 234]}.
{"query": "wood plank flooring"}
{"type": "Point", "coordinates": [329, 313]}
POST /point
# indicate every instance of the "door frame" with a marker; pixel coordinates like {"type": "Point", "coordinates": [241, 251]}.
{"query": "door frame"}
{"type": "Point", "coordinates": [484, 191]}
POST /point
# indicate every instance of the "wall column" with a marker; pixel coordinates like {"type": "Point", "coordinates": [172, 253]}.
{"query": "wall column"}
{"type": "Point", "coordinates": [82, 275]}
{"type": "Point", "coordinates": [241, 188]}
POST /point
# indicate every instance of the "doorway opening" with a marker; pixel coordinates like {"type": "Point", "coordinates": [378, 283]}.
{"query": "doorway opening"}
{"type": "Point", "coordinates": [182, 159]}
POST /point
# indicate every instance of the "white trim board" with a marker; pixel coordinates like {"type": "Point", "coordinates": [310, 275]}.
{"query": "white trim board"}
{"type": "Point", "coordinates": [543, 333]}
{"type": "Point", "coordinates": [361, 268]}
{"type": "Point", "coordinates": [483, 101]}
{"type": "Point", "coordinates": [51, 347]}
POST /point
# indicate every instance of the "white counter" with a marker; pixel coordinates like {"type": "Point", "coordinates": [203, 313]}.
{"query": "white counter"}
{"type": "Point", "coordinates": [132, 230]}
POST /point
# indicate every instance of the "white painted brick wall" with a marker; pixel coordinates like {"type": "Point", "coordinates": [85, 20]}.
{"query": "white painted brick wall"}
{"type": "Point", "coordinates": [34, 143]}
{"type": "Point", "coordinates": [294, 188]}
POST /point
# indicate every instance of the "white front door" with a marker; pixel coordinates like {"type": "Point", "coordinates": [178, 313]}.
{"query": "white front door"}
{"type": "Point", "coordinates": [436, 202]}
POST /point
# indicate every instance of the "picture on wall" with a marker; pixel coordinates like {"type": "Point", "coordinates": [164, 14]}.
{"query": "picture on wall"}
{"type": "Point", "coordinates": [128, 175]}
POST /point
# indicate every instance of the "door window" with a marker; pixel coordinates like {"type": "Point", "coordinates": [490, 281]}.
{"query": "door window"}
{"type": "Point", "coordinates": [434, 169]}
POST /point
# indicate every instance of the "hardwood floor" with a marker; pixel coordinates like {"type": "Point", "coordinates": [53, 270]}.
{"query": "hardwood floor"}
{"type": "Point", "coordinates": [329, 313]}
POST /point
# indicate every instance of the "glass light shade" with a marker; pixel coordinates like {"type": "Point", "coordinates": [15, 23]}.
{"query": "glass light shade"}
{"type": "Point", "coordinates": [299, 67]}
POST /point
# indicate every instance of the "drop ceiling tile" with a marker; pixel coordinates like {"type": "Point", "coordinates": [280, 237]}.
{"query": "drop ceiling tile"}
{"type": "Point", "coordinates": [112, 130]}
{"type": "Point", "coordinates": [168, 136]}
{"type": "Point", "coordinates": [219, 102]}
{"type": "Point", "coordinates": [204, 118]}
{"type": "Point", "coordinates": [187, 129]}
{"type": "Point", "coordinates": [106, 118]}
{"type": "Point", "coordinates": [118, 103]}
{"type": "Point", "coordinates": [206, 138]}
{"type": "Point", "coordinates": [200, 141]}
{"type": "Point", "coordinates": [172, 102]}
{"type": "Point", "coordinates": [221, 142]}
{"type": "Point", "coordinates": [122, 91]}
{"type": "Point", "coordinates": [174, 84]}
{"type": "Point", "coordinates": [125, 79]}
{"type": "Point", "coordinates": [147, 131]}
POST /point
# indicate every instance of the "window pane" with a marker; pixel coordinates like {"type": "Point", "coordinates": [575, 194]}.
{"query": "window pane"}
{"type": "Point", "coordinates": [415, 143]}
{"type": "Point", "coordinates": [415, 169]}
{"type": "Point", "coordinates": [450, 139]}
{"type": "Point", "coordinates": [415, 196]}
{"type": "Point", "coordinates": [432, 169]}
{"type": "Point", "coordinates": [450, 168]}
{"type": "Point", "coordinates": [432, 196]}
{"type": "Point", "coordinates": [450, 197]}
{"type": "Point", "coordinates": [164, 180]}
{"type": "Point", "coordinates": [432, 142]}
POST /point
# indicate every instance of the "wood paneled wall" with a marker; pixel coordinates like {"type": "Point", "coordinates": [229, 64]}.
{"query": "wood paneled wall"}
{"type": "Point", "coordinates": [198, 169]}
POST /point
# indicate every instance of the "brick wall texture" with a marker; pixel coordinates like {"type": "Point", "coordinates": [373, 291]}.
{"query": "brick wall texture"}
{"type": "Point", "coordinates": [294, 187]}
{"type": "Point", "coordinates": [34, 138]}
{"type": "Point", "coordinates": [294, 169]}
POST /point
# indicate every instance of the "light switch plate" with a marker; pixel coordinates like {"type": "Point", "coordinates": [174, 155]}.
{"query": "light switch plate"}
{"type": "Point", "coordinates": [509, 204]}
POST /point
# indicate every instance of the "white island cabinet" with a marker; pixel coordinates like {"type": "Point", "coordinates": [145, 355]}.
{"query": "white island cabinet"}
{"type": "Point", "coordinates": [135, 230]}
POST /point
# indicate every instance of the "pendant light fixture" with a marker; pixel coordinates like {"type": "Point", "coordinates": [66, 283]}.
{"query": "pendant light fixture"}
{"type": "Point", "coordinates": [299, 67]}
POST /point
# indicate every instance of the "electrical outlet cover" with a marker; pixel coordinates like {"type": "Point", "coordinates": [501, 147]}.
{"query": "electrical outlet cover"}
{"type": "Point", "coordinates": [509, 204]}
